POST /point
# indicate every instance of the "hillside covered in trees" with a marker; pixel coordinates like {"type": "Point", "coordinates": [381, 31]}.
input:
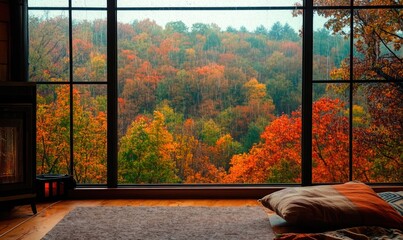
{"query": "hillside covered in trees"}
{"type": "Point", "coordinates": [200, 104]}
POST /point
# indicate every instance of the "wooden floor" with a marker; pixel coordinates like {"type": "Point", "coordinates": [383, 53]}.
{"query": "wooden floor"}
{"type": "Point", "coordinates": [20, 223]}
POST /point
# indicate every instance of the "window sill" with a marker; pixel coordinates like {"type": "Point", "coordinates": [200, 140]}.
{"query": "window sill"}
{"type": "Point", "coordinates": [190, 192]}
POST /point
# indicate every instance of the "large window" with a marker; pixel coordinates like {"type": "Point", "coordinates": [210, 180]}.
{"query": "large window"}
{"type": "Point", "coordinates": [358, 65]}
{"type": "Point", "coordinates": [235, 91]}
{"type": "Point", "coordinates": [67, 60]}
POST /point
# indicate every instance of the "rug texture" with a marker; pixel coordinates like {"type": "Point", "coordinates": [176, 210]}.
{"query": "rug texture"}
{"type": "Point", "coordinates": [163, 223]}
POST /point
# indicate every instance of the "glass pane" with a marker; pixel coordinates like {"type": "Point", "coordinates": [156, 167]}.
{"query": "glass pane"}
{"type": "Point", "coordinates": [48, 46]}
{"type": "Point", "coordinates": [331, 3]}
{"type": "Point", "coordinates": [89, 131]}
{"type": "Point", "coordinates": [52, 129]}
{"type": "Point", "coordinates": [331, 46]}
{"type": "Point", "coordinates": [377, 3]}
{"type": "Point", "coordinates": [198, 3]}
{"type": "Point", "coordinates": [89, 46]}
{"type": "Point", "coordinates": [89, 3]}
{"type": "Point", "coordinates": [378, 133]}
{"type": "Point", "coordinates": [199, 94]}
{"type": "Point", "coordinates": [377, 50]}
{"type": "Point", "coordinates": [47, 3]}
{"type": "Point", "coordinates": [330, 134]}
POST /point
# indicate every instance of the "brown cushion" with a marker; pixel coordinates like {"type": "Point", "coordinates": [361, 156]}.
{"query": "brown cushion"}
{"type": "Point", "coordinates": [342, 205]}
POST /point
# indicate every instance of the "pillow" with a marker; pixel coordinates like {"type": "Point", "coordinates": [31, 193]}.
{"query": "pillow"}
{"type": "Point", "coordinates": [395, 199]}
{"type": "Point", "coordinates": [333, 206]}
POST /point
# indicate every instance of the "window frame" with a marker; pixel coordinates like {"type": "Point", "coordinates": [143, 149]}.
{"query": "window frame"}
{"type": "Point", "coordinates": [112, 9]}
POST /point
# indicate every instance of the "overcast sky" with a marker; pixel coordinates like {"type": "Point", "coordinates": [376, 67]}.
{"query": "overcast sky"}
{"type": "Point", "coordinates": [247, 18]}
{"type": "Point", "coordinates": [224, 19]}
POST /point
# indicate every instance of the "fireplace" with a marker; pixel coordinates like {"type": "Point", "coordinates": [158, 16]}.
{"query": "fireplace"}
{"type": "Point", "coordinates": [11, 135]}
{"type": "Point", "coordinates": [17, 143]}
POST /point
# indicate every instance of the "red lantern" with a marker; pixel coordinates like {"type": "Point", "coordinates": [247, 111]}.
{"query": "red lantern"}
{"type": "Point", "coordinates": [53, 186]}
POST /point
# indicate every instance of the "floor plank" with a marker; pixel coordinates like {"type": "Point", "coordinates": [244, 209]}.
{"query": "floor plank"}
{"type": "Point", "coordinates": [20, 223]}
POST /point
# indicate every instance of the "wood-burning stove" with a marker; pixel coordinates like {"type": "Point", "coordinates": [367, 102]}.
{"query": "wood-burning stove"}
{"type": "Point", "coordinates": [17, 143]}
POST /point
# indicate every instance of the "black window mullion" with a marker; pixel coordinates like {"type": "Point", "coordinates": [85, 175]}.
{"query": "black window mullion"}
{"type": "Point", "coordinates": [71, 169]}
{"type": "Point", "coordinates": [350, 97]}
{"type": "Point", "coordinates": [112, 93]}
{"type": "Point", "coordinates": [307, 61]}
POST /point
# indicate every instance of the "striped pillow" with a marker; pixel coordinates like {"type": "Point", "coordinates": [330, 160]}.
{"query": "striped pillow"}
{"type": "Point", "coordinates": [395, 199]}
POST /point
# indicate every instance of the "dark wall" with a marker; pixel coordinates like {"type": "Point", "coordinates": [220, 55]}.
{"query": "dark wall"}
{"type": "Point", "coordinates": [4, 40]}
{"type": "Point", "coordinates": [13, 52]}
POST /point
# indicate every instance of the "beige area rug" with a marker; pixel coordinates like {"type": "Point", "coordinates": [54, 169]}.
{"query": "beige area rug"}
{"type": "Point", "coordinates": [164, 223]}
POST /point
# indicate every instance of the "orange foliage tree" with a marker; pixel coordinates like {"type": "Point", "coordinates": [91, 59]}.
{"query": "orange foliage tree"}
{"type": "Point", "coordinates": [89, 137]}
{"type": "Point", "coordinates": [278, 158]}
{"type": "Point", "coordinates": [52, 131]}
{"type": "Point", "coordinates": [193, 163]}
{"type": "Point", "coordinates": [53, 137]}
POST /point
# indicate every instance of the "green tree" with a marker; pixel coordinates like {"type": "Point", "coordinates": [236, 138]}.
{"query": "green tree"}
{"type": "Point", "coordinates": [177, 26]}
{"type": "Point", "coordinates": [145, 154]}
{"type": "Point", "coordinates": [278, 32]}
{"type": "Point", "coordinates": [210, 132]}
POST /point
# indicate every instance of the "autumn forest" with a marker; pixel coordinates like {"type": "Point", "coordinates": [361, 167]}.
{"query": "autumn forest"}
{"type": "Point", "coordinates": [203, 104]}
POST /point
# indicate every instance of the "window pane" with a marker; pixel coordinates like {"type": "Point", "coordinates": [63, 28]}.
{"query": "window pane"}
{"type": "Point", "coordinates": [48, 46]}
{"type": "Point", "coordinates": [330, 133]}
{"type": "Point", "coordinates": [52, 129]}
{"type": "Point", "coordinates": [89, 46]}
{"type": "Point", "coordinates": [89, 3]}
{"type": "Point", "coordinates": [377, 50]}
{"type": "Point", "coordinates": [378, 133]}
{"type": "Point", "coordinates": [201, 95]}
{"type": "Point", "coordinates": [197, 3]}
{"type": "Point", "coordinates": [331, 46]}
{"type": "Point", "coordinates": [47, 3]}
{"type": "Point", "coordinates": [89, 131]}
